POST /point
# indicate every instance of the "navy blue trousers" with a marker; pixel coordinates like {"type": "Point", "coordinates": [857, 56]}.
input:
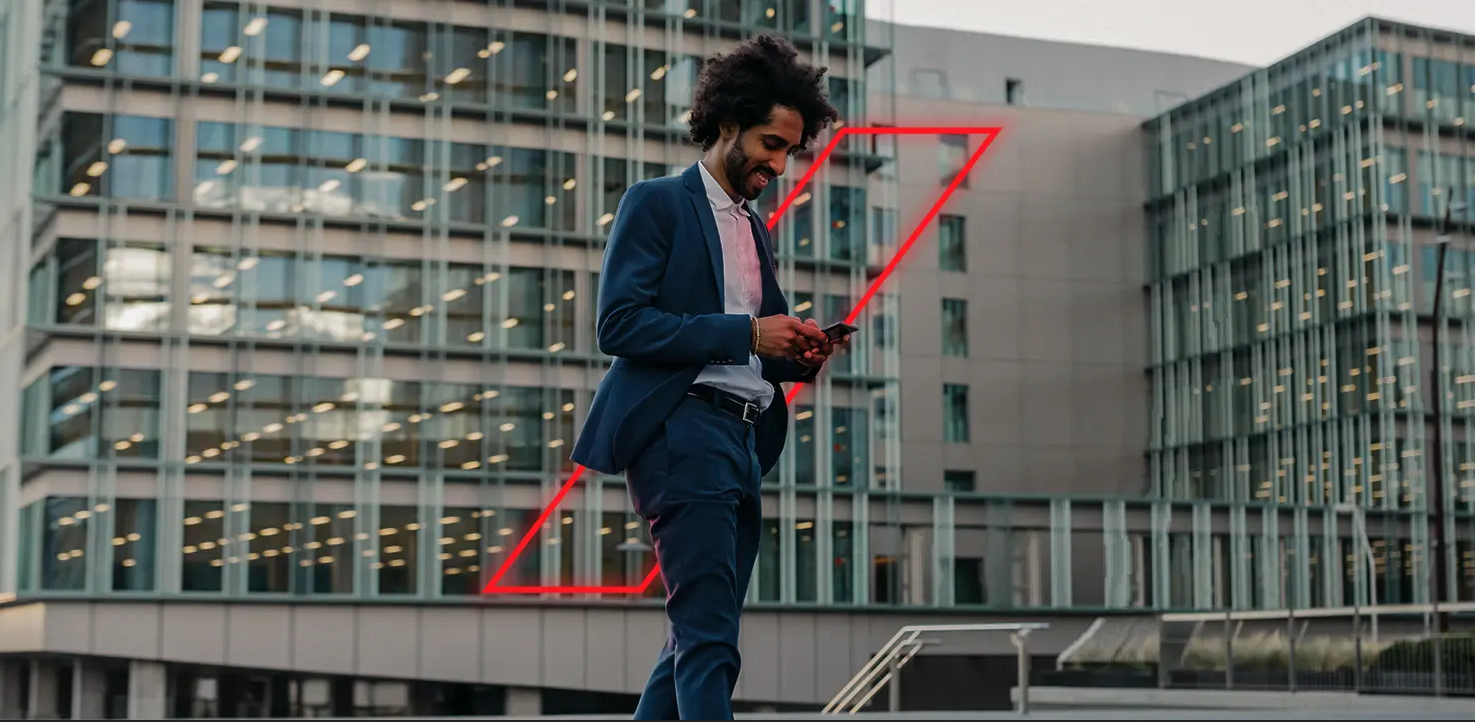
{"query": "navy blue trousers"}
{"type": "Point", "coordinates": [697, 484]}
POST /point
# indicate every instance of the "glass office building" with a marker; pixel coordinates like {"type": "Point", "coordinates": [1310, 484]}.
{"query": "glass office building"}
{"type": "Point", "coordinates": [1294, 217]}
{"type": "Point", "coordinates": [303, 306]}
{"type": "Point", "coordinates": [309, 294]}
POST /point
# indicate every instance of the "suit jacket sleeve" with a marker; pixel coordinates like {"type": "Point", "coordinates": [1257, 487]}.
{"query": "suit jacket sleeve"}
{"type": "Point", "coordinates": [630, 326]}
{"type": "Point", "coordinates": [788, 371]}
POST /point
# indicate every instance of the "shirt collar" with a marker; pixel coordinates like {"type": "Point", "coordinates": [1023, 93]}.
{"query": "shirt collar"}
{"type": "Point", "coordinates": [720, 200]}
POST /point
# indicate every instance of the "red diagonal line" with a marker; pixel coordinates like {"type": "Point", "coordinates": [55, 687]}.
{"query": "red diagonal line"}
{"type": "Point", "coordinates": [989, 134]}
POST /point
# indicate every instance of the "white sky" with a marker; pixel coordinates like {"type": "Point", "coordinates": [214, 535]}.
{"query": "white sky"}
{"type": "Point", "coordinates": [1257, 32]}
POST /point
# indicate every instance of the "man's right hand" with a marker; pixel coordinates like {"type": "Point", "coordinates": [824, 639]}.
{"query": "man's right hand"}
{"type": "Point", "coordinates": [787, 337]}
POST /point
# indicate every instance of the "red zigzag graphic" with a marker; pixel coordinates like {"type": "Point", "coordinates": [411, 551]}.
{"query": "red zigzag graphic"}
{"type": "Point", "coordinates": [494, 586]}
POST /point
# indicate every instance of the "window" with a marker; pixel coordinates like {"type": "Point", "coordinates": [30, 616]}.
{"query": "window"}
{"type": "Point", "coordinates": [957, 481]}
{"type": "Point", "coordinates": [955, 413]}
{"type": "Point", "coordinates": [1014, 91]}
{"type": "Point", "coordinates": [847, 214]}
{"type": "Point", "coordinates": [365, 299]}
{"type": "Point", "coordinates": [642, 84]}
{"type": "Point", "coordinates": [951, 244]}
{"type": "Point", "coordinates": [100, 413]}
{"type": "Point", "coordinates": [137, 40]}
{"type": "Point", "coordinates": [952, 155]}
{"type": "Point", "coordinates": [928, 83]}
{"type": "Point", "coordinates": [134, 542]}
{"type": "Point", "coordinates": [97, 149]}
{"type": "Point", "coordinates": [848, 441]}
{"type": "Point", "coordinates": [318, 421]}
{"type": "Point", "coordinates": [883, 226]}
{"type": "Point", "coordinates": [954, 327]}
{"type": "Point", "coordinates": [333, 173]}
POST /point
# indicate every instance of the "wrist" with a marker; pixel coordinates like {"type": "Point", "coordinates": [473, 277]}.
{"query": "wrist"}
{"type": "Point", "coordinates": [756, 334]}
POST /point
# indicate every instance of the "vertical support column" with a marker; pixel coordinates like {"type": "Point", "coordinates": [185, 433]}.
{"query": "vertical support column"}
{"type": "Point", "coordinates": [43, 703]}
{"type": "Point", "coordinates": [1272, 580]}
{"type": "Point", "coordinates": [524, 702]}
{"type": "Point", "coordinates": [89, 690]}
{"type": "Point", "coordinates": [1001, 587]}
{"type": "Point", "coordinates": [12, 687]}
{"type": "Point", "coordinates": [1118, 554]}
{"type": "Point", "coordinates": [148, 690]}
{"type": "Point", "coordinates": [824, 541]}
{"type": "Point", "coordinates": [942, 551]}
{"type": "Point", "coordinates": [1203, 557]}
{"type": "Point", "coordinates": [1239, 559]}
{"type": "Point", "coordinates": [1060, 558]}
{"type": "Point", "coordinates": [918, 563]}
{"type": "Point", "coordinates": [893, 684]}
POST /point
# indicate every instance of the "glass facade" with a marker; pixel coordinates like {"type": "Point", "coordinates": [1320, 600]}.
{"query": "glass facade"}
{"type": "Point", "coordinates": [1294, 217]}
{"type": "Point", "coordinates": [309, 306]}
{"type": "Point", "coordinates": [311, 300]}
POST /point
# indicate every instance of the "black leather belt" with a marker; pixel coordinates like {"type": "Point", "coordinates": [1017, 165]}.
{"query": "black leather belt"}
{"type": "Point", "coordinates": [732, 404]}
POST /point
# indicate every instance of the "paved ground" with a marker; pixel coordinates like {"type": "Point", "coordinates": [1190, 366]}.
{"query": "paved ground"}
{"type": "Point", "coordinates": [1414, 712]}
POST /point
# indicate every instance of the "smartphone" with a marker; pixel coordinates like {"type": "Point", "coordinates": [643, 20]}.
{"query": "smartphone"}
{"type": "Point", "coordinates": [836, 331]}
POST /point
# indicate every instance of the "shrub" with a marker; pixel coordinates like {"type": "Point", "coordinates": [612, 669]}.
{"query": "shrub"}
{"type": "Point", "coordinates": [1417, 655]}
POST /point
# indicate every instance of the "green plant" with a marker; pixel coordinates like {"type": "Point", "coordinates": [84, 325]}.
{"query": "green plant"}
{"type": "Point", "coordinates": [1265, 651]}
{"type": "Point", "coordinates": [1457, 654]}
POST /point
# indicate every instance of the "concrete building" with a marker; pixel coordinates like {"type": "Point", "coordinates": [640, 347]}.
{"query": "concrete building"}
{"type": "Point", "coordinates": [301, 305]}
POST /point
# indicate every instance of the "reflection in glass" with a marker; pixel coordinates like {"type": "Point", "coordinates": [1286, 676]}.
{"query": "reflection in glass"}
{"type": "Point", "coordinates": [64, 559]}
{"type": "Point", "coordinates": [96, 149]}
{"type": "Point", "coordinates": [325, 560]}
{"type": "Point", "coordinates": [768, 575]}
{"type": "Point", "coordinates": [349, 299]}
{"type": "Point", "coordinates": [806, 562]}
{"type": "Point", "coordinates": [135, 541]}
{"type": "Point", "coordinates": [848, 441]}
{"type": "Point", "coordinates": [286, 170]}
{"type": "Point", "coordinates": [843, 569]}
{"type": "Point", "coordinates": [131, 286]}
{"type": "Point", "coordinates": [129, 37]}
{"type": "Point", "coordinates": [103, 412]}
{"type": "Point", "coordinates": [320, 421]}
{"type": "Point", "coordinates": [955, 327]}
{"type": "Point", "coordinates": [270, 547]}
{"type": "Point", "coordinates": [847, 223]}
{"type": "Point", "coordinates": [252, 48]}
{"type": "Point", "coordinates": [952, 243]}
{"type": "Point", "coordinates": [399, 549]}
{"type": "Point", "coordinates": [955, 415]}
{"type": "Point", "coordinates": [803, 446]}
{"type": "Point", "coordinates": [462, 531]}
{"type": "Point", "coordinates": [203, 554]}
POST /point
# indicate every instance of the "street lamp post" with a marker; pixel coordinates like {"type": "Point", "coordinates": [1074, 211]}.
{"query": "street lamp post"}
{"type": "Point", "coordinates": [1434, 468]}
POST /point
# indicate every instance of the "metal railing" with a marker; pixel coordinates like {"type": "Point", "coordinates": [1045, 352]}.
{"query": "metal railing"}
{"type": "Point", "coordinates": [884, 667]}
{"type": "Point", "coordinates": [1411, 650]}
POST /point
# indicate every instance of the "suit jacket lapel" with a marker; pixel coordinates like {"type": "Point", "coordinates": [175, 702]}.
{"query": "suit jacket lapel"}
{"type": "Point", "coordinates": [708, 223]}
{"type": "Point", "coordinates": [767, 263]}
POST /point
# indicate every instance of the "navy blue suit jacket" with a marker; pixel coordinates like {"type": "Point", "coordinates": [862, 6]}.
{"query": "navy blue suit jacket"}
{"type": "Point", "coordinates": [661, 316]}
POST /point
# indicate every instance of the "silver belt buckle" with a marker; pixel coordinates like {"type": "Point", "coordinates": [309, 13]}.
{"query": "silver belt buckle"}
{"type": "Point", "coordinates": [750, 413]}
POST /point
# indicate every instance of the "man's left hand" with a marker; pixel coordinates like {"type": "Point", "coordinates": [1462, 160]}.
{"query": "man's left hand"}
{"type": "Point", "coordinates": [821, 353]}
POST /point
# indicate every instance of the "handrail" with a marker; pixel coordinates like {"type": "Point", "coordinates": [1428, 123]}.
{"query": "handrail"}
{"type": "Point", "coordinates": [1080, 642]}
{"type": "Point", "coordinates": [892, 669]}
{"type": "Point", "coordinates": [890, 659]}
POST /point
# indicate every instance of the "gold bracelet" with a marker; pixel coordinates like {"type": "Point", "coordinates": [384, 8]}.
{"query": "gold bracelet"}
{"type": "Point", "coordinates": [757, 334]}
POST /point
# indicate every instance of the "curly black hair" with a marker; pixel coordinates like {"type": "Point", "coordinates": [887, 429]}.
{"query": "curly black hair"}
{"type": "Point", "coordinates": [742, 86]}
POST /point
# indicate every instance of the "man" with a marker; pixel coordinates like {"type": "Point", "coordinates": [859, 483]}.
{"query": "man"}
{"type": "Point", "coordinates": [691, 409]}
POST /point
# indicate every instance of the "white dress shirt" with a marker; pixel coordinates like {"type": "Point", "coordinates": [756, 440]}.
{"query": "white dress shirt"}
{"type": "Point", "coordinates": [742, 290]}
